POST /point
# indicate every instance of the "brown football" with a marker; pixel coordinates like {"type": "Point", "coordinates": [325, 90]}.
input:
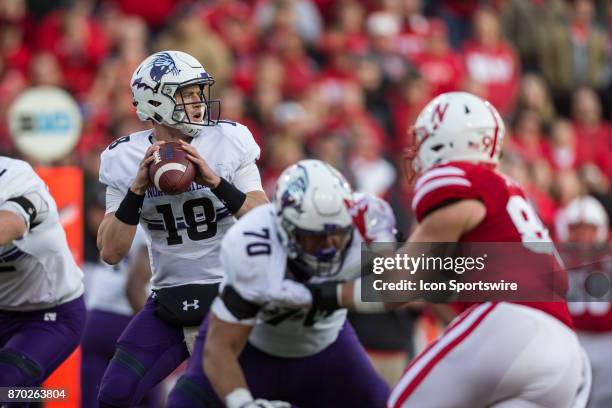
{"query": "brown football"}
{"type": "Point", "coordinates": [171, 170]}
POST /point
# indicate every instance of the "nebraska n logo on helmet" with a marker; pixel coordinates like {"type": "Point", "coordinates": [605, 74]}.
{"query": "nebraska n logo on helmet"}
{"type": "Point", "coordinates": [455, 126]}
{"type": "Point", "coordinates": [154, 91]}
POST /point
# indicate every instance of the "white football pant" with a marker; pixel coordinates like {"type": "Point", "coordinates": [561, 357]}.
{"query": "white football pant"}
{"type": "Point", "coordinates": [498, 355]}
{"type": "Point", "coordinates": [598, 347]}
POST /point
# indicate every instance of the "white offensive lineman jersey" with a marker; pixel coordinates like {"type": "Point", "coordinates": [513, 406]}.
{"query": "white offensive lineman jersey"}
{"type": "Point", "coordinates": [105, 284]}
{"type": "Point", "coordinates": [184, 231]}
{"type": "Point", "coordinates": [37, 271]}
{"type": "Point", "coordinates": [255, 263]}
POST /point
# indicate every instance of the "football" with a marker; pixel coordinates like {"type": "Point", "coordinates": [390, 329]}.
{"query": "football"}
{"type": "Point", "coordinates": [171, 170]}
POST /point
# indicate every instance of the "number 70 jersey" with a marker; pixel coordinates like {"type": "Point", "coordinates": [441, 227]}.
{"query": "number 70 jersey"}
{"type": "Point", "coordinates": [257, 267]}
{"type": "Point", "coordinates": [184, 231]}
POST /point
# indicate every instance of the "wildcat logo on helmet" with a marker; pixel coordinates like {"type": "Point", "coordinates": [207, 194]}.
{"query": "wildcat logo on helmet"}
{"type": "Point", "coordinates": [160, 66]}
{"type": "Point", "coordinates": [295, 191]}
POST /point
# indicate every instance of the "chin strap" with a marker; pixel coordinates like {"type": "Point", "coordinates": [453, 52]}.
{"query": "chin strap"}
{"type": "Point", "coordinates": [188, 130]}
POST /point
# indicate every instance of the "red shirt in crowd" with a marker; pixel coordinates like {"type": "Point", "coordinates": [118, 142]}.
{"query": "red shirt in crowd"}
{"type": "Point", "coordinates": [411, 40]}
{"type": "Point", "coordinates": [464, 8]}
{"type": "Point", "coordinates": [155, 13]}
{"type": "Point", "coordinates": [560, 158]}
{"type": "Point", "coordinates": [444, 73]}
{"type": "Point", "coordinates": [528, 152]}
{"type": "Point", "coordinates": [403, 115]}
{"type": "Point", "coordinates": [497, 69]}
{"type": "Point", "coordinates": [593, 145]}
{"type": "Point", "coordinates": [80, 62]}
{"type": "Point", "coordinates": [300, 75]}
{"type": "Point", "coordinates": [16, 56]}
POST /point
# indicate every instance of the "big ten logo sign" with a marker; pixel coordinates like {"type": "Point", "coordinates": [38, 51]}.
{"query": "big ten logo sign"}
{"type": "Point", "coordinates": [45, 123]}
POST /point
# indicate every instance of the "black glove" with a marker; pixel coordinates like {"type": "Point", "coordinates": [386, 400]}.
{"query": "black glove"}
{"type": "Point", "coordinates": [324, 295]}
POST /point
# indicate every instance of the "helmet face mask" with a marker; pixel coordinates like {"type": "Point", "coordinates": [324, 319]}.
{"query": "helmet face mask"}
{"type": "Point", "coordinates": [319, 253]}
{"type": "Point", "coordinates": [186, 109]}
{"type": "Point", "coordinates": [313, 219]}
{"type": "Point", "coordinates": [582, 233]}
{"type": "Point", "coordinates": [412, 165]}
{"type": "Point", "coordinates": [158, 85]}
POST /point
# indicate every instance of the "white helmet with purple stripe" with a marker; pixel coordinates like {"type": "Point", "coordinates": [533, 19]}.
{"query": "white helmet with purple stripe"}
{"type": "Point", "coordinates": [312, 200]}
{"type": "Point", "coordinates": [155, 84]}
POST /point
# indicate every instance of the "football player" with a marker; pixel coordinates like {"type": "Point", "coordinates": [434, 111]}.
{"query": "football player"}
{"type": "Point", "coordinates": [584, 222]}
{"type": "Point", "coordinates": [495, 354]}
{"type": "Point", "coordinates": [171, 89]}
{"type": "Point", "coordinates": [42, 312]}
{"type": "Point", "coordinates": [256, 348]}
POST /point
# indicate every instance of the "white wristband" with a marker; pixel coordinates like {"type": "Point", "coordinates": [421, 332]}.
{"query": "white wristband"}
{"type": "Point", "coordinates": [238, 398]}
{"type": "Point", "coordinates": [365, 307]}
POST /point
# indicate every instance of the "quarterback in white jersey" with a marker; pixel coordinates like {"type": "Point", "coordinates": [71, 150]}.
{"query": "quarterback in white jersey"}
{"type": "Point", "coordinates": [307, 236]}
{"type": "Point", "coordinates": [172, 90]}
{"type": "Point", "coordinates": [184, 230]}
{"type": "Point", "coordinates": [41, 287]}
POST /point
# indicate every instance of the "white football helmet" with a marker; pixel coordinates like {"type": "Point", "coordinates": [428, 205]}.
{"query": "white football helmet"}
{"type": "Point", "coordinates": [154, 85]}
{"type": "Point", "coordinates": [455, 126]}
{"type": "Point", "coordinates": [583, 210]}
{"type": "Point", "coordinates": [313, 198]}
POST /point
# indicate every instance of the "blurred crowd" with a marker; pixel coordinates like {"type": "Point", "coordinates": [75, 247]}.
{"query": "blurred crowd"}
{"type": "Point", "coordinates": [339, 80]}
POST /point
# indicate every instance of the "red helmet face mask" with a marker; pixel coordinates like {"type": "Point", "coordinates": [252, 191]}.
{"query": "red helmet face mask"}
{"type": "Point", "coordinates": [411, 165]}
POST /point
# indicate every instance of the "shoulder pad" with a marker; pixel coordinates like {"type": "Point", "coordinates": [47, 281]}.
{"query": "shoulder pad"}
{"type": "Point", "coordinates": [439, 185]}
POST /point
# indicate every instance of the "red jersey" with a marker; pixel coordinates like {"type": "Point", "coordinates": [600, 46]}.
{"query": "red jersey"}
{"type": "Point", "coordinates": [593, 317]}
{"type": "Point", "coordinates": [444, 73]}
{"type": "Point", "coordinates": [509, 217]}
{"type": "Point", "coordinates": [496, 68]}
{"type": "Point", "coordinates": [593, 145]}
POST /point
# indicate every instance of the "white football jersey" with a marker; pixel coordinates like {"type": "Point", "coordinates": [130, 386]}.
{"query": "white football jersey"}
{"type": "Point", "coordinates": [255, 263]}
{"type": "Point", "coordinates": [184, 231]}
{"type": "Point", "coordinates": [105, 284]}
{"type": "Point", "coordinates": [37, 271]}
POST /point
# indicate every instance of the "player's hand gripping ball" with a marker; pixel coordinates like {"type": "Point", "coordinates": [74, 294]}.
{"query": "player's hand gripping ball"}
{"type": "Point", "coordinates": [171, 171]}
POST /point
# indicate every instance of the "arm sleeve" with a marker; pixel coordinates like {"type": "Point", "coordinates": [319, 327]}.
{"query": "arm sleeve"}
{"type": "Point", "coordinates": [251, 150]}
{"type": "Point", "coordinates": [231, 307]}
{"type": "Point", "coordinates": [242, 293]}
{"type": "Point", "coordinates": [31, 206]}
{"type": "Point", "coordinates": [105, 175]}
{"type": "Point", "coordinates": [18, 180]}
{"type": "Point", "coordinates": [114, 194]}
{"type": "Point", "coordinates": [20, 193]}
{"type": "Point", "coordinates": [16, 208]}
{"type": "Point", "coordinates": [247, 178]}
{"type": "Point", "coordinates": [113, 199]}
